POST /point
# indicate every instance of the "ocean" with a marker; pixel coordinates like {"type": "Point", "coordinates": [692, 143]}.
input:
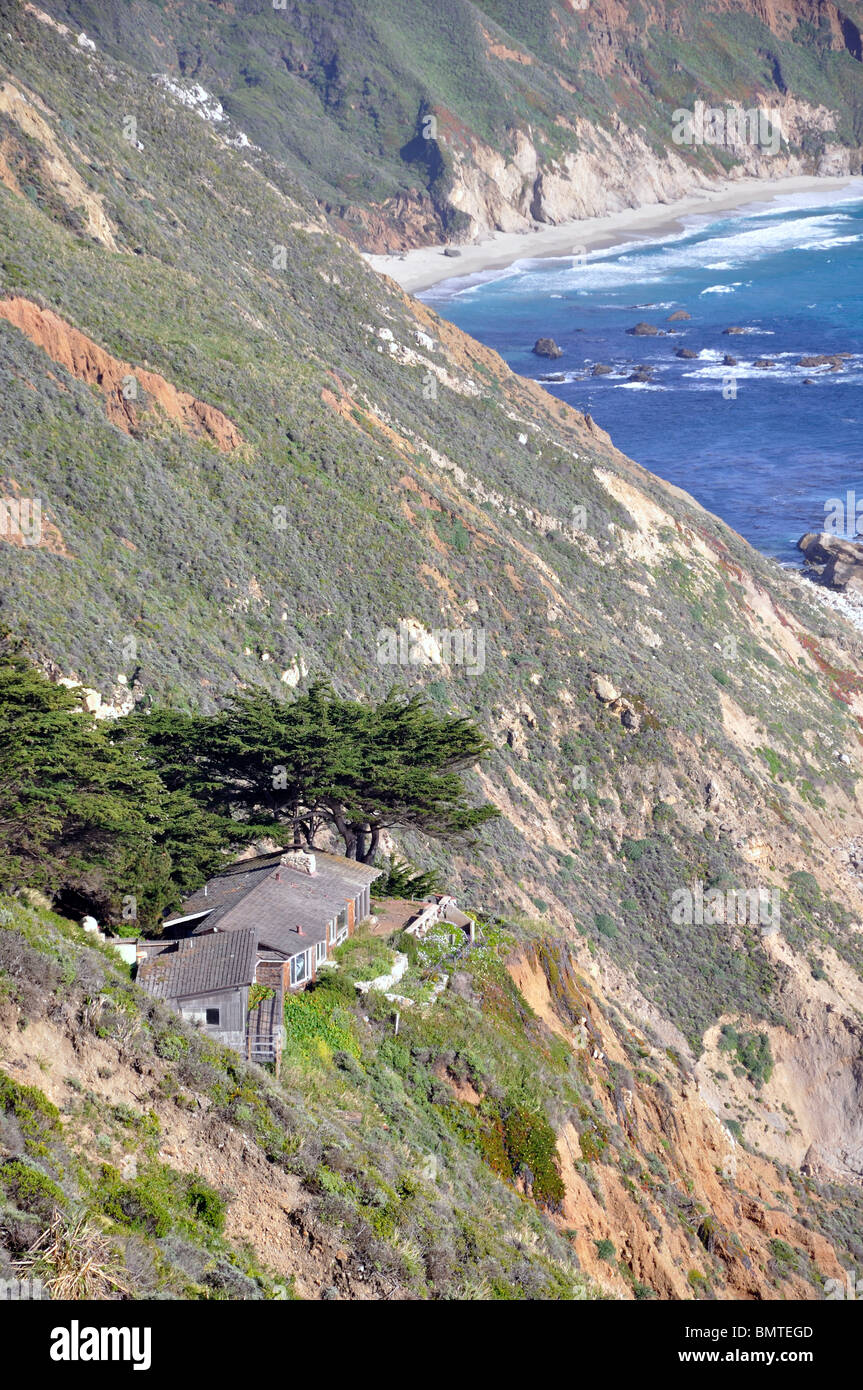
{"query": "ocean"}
{"type": "Point", "coordinates": [755, 445]}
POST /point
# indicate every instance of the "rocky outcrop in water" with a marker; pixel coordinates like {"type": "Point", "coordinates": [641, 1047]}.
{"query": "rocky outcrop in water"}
{"type": "Point", "coordinates": [547, 347]}
{"type": "Point", "coordinates": [840, 561]}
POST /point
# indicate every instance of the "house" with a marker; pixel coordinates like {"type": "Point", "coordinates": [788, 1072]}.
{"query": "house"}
{"type": "Point", "coordinates": [258, 930]}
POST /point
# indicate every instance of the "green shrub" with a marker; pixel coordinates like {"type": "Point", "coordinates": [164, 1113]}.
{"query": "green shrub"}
{"type": "Point", "coordinates": [29, 1188]}
{"type": "Point", "coordinates": [605, 925]}
{"type": "Point", "coordinates": [205, 1203]}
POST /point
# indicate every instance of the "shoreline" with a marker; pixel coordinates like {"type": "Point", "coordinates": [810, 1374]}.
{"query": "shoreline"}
{"type": "Point", "coordinates": [426, 266]}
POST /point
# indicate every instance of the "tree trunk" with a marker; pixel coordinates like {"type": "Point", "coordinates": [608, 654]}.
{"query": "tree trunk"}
{"type": "Point", "coordinates": [346, 831]}
{"type": "Point", "coordinates": [369, 852]}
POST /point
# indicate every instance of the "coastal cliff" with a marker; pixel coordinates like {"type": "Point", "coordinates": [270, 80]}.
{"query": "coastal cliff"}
{"type": "Point", "coordinates": [415, 127]}
{"type": "Point", "coordinates": [259, 463]}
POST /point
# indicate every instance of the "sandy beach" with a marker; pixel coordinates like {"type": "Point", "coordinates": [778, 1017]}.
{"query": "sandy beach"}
{"type": "Point", "coordinates": [427, 265]}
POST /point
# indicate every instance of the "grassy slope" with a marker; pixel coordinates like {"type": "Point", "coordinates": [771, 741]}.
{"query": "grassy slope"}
{"type": "Point", "coordinates": [399, 506]}
{"type": "Point", "coordinates": [481, 1153]}
{"type": "Point", "coordinates": [338, 90]}
{"type": "Point", "coordinates": [207, 1178]}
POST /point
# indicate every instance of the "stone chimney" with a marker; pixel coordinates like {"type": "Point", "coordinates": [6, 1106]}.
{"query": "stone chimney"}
{"type": "Point", "coordinates": [299, 860]}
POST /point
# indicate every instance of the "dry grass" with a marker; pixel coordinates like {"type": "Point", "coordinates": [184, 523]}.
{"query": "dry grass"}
{"type": "Point", "coordinates": [74, 1261]}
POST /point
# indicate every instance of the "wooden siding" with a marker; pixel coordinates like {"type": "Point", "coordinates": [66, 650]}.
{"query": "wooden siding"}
{"type": "Point", "coordinates": [232, 1005]}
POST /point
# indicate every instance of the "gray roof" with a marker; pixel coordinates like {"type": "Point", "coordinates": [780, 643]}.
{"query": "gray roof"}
{"type": "Point", "coordinates": [201, 965]}
{"type": "Point", "coordinates": [275, 899]}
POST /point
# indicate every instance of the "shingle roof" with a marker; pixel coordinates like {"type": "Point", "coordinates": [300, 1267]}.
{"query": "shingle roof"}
{"type": "Point", "coordinates": [234, 882]}
{"type": "Point", "coordinates": [201, 965]}
{"type": "Point", "coordinates": [275, 898]}
{"type": "Point", "coordinates": [226, 887]}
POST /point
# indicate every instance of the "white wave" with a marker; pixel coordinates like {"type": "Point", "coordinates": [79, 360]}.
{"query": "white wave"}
{"type": "Point", "coordinates": [653, 262]}
{"type": "Point", "coordinates": [723, 289]}
{"type": "Point", "coordinates": [828, 243]}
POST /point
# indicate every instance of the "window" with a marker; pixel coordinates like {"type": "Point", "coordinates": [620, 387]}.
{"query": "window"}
{"type": "Point", "coordinates": [341, 926]}
{"type": "Point", "coordinates": [213, 1018]}
{"type": "Point", "coordinates": [299, 969]}
{"type": "Point", "coordinates": [320, 951]}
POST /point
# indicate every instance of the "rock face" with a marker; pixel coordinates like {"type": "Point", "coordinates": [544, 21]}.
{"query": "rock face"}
{"type": "Point", "coordinates": [126, 389]}
{"type": "Point", "coordinates": [604, 690]}
{"type": "Point", "coordinates": [547, 347]}
{"type": "Point", "coordinates": [842, 560]}
{"type": "Point", "coordinates": [615, 703]}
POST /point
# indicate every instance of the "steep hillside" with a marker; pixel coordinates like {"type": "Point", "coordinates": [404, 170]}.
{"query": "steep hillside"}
{"type": "Point", "coordinates": [417, 123]}
{"type": "Point", "coordinates": [519, 1138]}
{"type": "Point", "coordinates": [258, 462]}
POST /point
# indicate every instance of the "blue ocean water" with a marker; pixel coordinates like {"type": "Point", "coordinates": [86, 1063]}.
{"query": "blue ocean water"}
{"type": "Point", "coordinates": [765, 459]}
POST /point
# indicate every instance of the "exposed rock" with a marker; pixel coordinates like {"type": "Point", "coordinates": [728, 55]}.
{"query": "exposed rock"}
{"type": "Point", "coordinates": [714, 794]}
{"type": "Point", "coordinates": [834, 361]}
{"type": "Point", "coordinates": [125, 388]}
{"type": "Point", "coordinates": [734, 329]}
{"type": "Point", "coordinates": [685, 352]}
{"type": "Point", "coordinates": [764, 363]}
{"type": "Point", "coordinates": [547, 347]}
{"type": "Point", "coordinates": [604, 690]}
{"type": "Point", "coordinates": [629, 716]}
{"type": "Point", "coordinates": [601, 369]}
{"type": "Point", "coordinates": [729, 361]}
{"type": "Point", "coordinates": [643, 330]}
{"type": "Point", "coordinates": [553, 376]}
{"type": "Point", "coordinates": [643, 373]}
{"type": "Point", "coordinates": [451, 251]}
{"type": "Point", "coordinates": [842, 560]}
{"type": "Point", "coordinates": [678, 316]}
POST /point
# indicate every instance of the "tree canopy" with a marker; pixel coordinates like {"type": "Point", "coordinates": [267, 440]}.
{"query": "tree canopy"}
{"type": "Point", "coordinates": [286, 768]}
{"type": "Point", "coordinates": [84, 817]}
{"type": "Point", "coordinates": [123, 818]}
